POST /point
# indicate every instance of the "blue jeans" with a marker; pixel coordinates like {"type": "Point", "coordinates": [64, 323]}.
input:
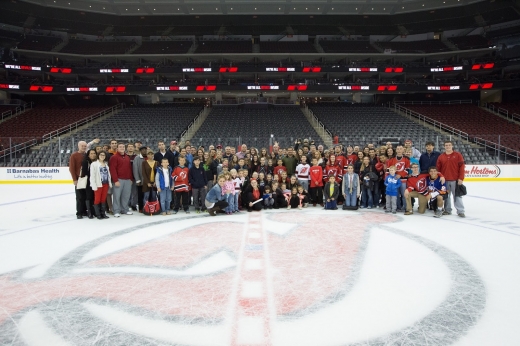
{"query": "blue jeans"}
{"type": "Point", "coordinates": [304, 184]}
{"type": "Point", "coordinates": [366, 197]}
{"type": "Point", "coordinates": [165, 197]}
{"type": "Point", "coordinates": [235, 205]}
{"type": "Point", "coordinates": [401, 200]}
{"type": "Point", "coordinates": [350, 199]}
{"type": "Point", "coordinates": [231, 202]}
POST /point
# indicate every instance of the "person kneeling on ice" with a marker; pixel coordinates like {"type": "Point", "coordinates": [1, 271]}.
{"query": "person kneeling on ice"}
{"type": "Point", "coordinates": [437, 188]}
{"type": "Point", "coordinates": [331, 192]}
{"type": "Point", "coordinates": [417, 187]}
{"type": "Point", "coordinates": [215, 200]}
{"type": "Point", "coordinates": [392, 183]}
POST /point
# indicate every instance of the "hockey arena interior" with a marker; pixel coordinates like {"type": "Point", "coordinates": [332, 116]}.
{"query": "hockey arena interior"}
{"type": "Point", "coordinates": [283, 172]}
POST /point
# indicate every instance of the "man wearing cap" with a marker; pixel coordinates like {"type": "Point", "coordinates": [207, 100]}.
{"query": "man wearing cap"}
{"type": "Point", "coordinates": [137, 169]}
{"type": "Point", "coordinates": [415, 153]}
{"type": "Point", "coordinates": [242, 153]}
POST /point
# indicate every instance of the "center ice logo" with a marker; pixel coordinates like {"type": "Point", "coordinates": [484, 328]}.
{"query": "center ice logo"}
{"type": "Point", "coordinates": [187, 275]}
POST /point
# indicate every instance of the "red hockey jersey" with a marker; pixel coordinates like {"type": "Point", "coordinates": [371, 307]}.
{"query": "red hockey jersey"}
{"type": "Point", "coordinates": [316, 176]}
{"type": "Point", "coordinates": [401, 166]}
{"type": "Point", "coordinates": [351, 159]}
{"type": "Point", "coordinates": [180, 179]}
{"type": "Point", "coordinates": [337, 171]}
{"type": "Point", "coordinates": [419, 183]}
{"type": "Point", "coordinates": [279, 169]}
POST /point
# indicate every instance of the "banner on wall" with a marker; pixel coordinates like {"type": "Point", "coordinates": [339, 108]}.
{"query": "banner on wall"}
{"type": "Point", "coordinates": [35, 175]}
{"type": "Point", "coordinates": [492, 173]}
{"type": "Point", "coordinates": [61, 175]}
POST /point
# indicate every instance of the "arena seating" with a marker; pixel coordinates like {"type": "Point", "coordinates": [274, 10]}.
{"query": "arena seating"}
{"type": "Point", "coordinates": [224, 47]}
{"type": "Point", "coordinates": [287, 47]}
{"type": "Point", "coordinates": [163, 47]}
{"type": "Point", "coordinates": [475, 121]}
{"type": "Point", "coordinates": [11, 35]}
{"type": "Point", "coordinates": [36, 122]}
{"type": "Point", "coordinates": [469, 42]}
{"type": "Point", "coordinates": [361, 124]}
{"type": "Point", "coordinates": [342, 46]}
{"type": "Point", "coordinates": [147, 123]}
{"type": "Point", "coordinates": [426, 46]}
{"type": "Point", "coordinates": [511, 107]}
{"type": "Point", "coordinates": [40, 43]}
{"type": "Point", "coordinates": [254, 126]}
{"type": "Point", "coordinates": [97, 47]}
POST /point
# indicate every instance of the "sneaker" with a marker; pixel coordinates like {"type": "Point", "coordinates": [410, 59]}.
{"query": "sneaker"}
{"type": "Point", "coordinates": [461, 215]}
{"type": "Point", "coordinates": [445, 213]}
{"type": "Point", "coordinates": [169, 212]}
{"type": "Point", "coordinates": [369, 207]}
{"type": "Point", "coordinates": [175, 212]}
{"type": "Point", "coordinates": [388, 211]}
{"type": "Point", "coordinates": [187, 211]}
{"type": "Point", "coordinates": [163, 213]}
{"type": "Point", "coordinates": [129, 213]}
{"type": "Point", "coordinates": [439, 213]}
{"type": "Point", "coordinates": [399, 211]}
{"type": "Point", "coordinates": [117, 215]}
{"type": "Point", "coordinates": [394, 212]}
{"type": "Point", "coordinates": [408, 212]}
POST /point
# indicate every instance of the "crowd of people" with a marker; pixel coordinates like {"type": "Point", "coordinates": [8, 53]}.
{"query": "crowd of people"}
{"type": "Point", "coordinates": [122, 177]}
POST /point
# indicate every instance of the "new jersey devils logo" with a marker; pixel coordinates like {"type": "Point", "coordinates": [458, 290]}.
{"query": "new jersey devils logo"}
{"type": "Point", "coordinates": [399, 166]}
{"type": "Point", "coordinates": [183, 270]}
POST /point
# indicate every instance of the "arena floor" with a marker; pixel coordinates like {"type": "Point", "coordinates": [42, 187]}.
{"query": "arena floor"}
{"type": "Point", "coordinates": [284, 277]}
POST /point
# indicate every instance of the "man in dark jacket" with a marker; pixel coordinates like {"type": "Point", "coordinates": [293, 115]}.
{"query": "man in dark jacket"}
{"type": "Point", "coordinates": [199, 183]}
{"type": "Point", "coordinates": [429, 158]}
{"type": "Point", "coordinates": [164, 154]}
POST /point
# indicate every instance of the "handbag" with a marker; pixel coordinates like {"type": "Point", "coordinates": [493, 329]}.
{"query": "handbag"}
{"type": "Point", "coordinates": [82, 181]}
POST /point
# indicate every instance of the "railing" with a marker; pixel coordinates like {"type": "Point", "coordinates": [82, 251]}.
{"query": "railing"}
{"type": "Point", "coordinates": [508, 153]}
{"type": "Point", "coordinates": [502, 111]}
{"type": "Point", "coordinates": [454, 102]}
{"type": "Point", "coordinates": [323, 131]}
{"type": "Point", "coordinates": [14, 148]}
{"type": "Point", "coordinates": [16, 111]}
{"type": "Point", "coordinates": [197, 121]}
{"type": "Point", "coordinates": [425, 120]}
{"type": "Point", "coordinates": [74, 126]}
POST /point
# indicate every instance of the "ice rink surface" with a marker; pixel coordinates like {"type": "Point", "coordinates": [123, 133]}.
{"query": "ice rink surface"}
{"type": "Point", "coordinates": [275, 277]}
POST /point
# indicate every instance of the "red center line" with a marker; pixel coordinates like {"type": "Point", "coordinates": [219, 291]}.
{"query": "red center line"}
{"type": "Point", "coordinates": [253, 313]}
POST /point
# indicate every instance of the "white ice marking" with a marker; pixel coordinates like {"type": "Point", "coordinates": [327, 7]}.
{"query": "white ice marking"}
{"type": "Point", "coordinates": [250, 330]}
{"type": "Point", "coordinates": [253, 264]}
{"type": "Point", "coordinates": [141, 236]}
{"type": "Point", "coordinates": [280, 228]}
{"type": "Point", "coordinates": [175, 333]}
{"type": "Point", "coordinates": [213, 264]}
{"type": "Point", "coordinates": [38, 271]}
{"type": "Point", "coordinates": [252, 289]}
{"type": "Point", "coordinates": [254, 235]}
{"type": "Point", "coordinates": [35, 332]}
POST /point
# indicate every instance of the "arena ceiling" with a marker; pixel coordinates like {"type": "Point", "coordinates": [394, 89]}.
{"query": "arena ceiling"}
{"type": "Point", "coordinates": [245, 7]}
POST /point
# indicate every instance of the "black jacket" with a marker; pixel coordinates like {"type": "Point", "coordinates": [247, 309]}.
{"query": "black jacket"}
{"type": "Point", "coordinates": [197, 177]}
